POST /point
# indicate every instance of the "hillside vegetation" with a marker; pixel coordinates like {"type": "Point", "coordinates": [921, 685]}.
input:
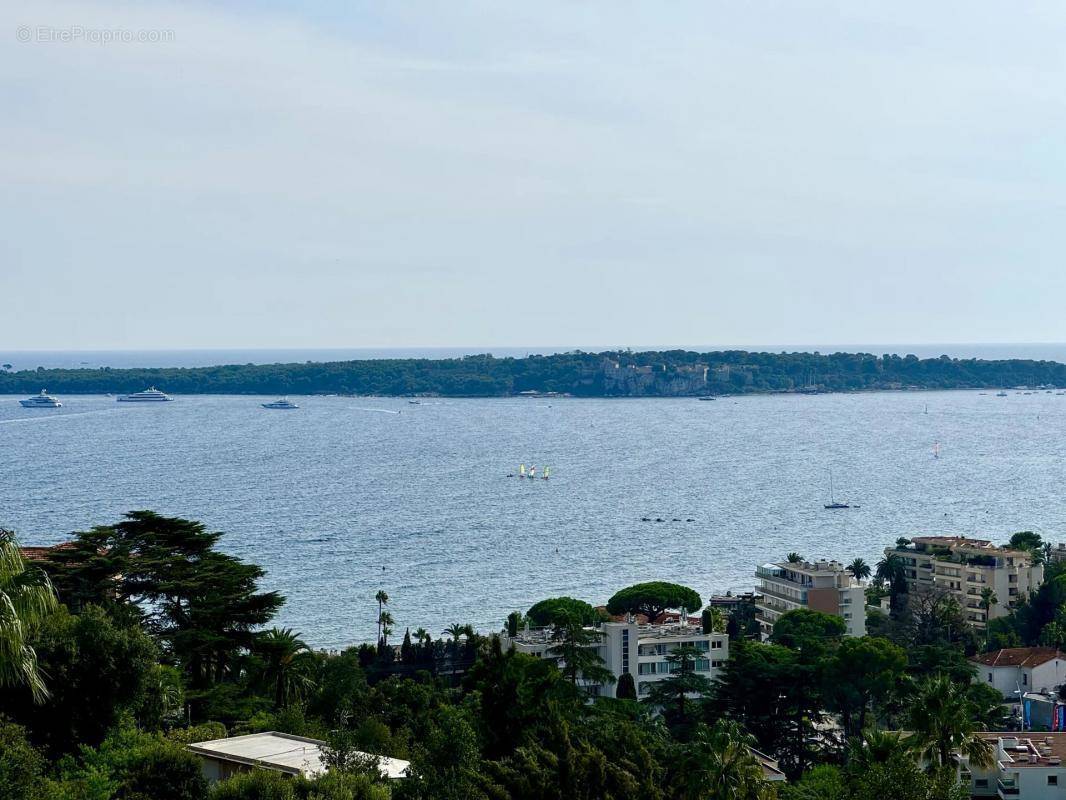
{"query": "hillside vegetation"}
{"type": "Point", "coordinates": [673, 373]}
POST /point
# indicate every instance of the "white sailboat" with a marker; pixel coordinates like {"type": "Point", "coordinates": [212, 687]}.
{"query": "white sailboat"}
{"type": "Point", "coordinates": [833, 504]}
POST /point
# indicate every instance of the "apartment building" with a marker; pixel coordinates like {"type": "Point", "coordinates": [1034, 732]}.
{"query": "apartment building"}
{"type": "Point", "coordinates": [820, 586]}
{"type": "Point", "coordinates": [965, 567]}
{"type": "Point", "coordinates": [636, 648]}
{"type": "Point", "coordinates": [1027, 767]}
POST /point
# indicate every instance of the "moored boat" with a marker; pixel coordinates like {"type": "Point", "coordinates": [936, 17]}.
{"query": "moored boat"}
{"type": "Point", "coordinates": [42, 400]}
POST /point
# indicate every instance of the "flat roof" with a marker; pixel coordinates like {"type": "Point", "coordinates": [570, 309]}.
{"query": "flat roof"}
{"type": "Point", "coordinates": [283, 752]}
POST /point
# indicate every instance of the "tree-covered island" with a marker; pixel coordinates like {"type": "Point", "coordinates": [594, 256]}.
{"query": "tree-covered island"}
{"type": "Point", "coordinates": [672, 373]}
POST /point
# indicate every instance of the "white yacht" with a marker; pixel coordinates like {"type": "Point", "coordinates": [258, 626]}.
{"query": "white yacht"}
{"type": "Point", "coordinates": [149, 395]}
{"type": "Point", "coordinates": [42, 400]}
{"type": "Point", "coordinates": [282, 403]}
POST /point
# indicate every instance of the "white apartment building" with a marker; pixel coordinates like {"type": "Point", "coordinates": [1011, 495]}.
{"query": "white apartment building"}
{"type": "Point", "coordinates": [1028, 767]}
{"type": "Point", "coordinates": [964, 567]}
{"type": "Point", "coordinates": [639, 649]}
{"type": "Point", "coordinates": [820, 586]}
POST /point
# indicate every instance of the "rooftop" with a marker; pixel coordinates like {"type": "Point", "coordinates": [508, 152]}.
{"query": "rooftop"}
{"type": "Point", "coordinates": [964, 543]}
{"type": "Point", "coordinates": [283, 752]}
{"type": "Point", "coordinates": [1018, 657]}
{"type": "Point", "coordinates": [667, 630]}
{"type": "Point", "coordinates": [42, 553]}
{"type": "Point", "coordinates": [1030, 750]}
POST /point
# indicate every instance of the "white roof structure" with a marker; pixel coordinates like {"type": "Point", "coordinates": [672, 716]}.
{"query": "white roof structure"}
{"type": "Point", "coordinates": [283, 752]}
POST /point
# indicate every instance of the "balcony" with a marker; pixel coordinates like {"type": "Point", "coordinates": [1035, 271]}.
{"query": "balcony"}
{"type": "Point", "coordinates": [795, 601]}
{"type": "Point", "coordinates": [1007, 788]}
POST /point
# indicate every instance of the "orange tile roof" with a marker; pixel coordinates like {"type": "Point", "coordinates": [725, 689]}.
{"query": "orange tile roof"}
{"type": "Point", "coordinates": [1018, 657]}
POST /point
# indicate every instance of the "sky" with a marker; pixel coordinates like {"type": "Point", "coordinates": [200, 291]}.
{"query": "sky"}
{"type": "Point", "coordinates": [368, 174]}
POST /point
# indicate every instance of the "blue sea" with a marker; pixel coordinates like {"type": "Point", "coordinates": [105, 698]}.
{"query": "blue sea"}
{"type": "Point", "coordinates": [346, 496]}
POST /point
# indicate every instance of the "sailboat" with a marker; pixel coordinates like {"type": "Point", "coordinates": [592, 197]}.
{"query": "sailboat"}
{"type": "Point", "coordinates": [547, 473]}
{"type": "Point", "coordinates": [936, 450]}
{"type": "Point", "coordinates": [833, 504]}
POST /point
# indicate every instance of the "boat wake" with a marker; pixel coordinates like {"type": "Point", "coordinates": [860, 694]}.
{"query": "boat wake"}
{"type": "Point", "coordinates": [375, 410]}
{"type": "Point", "coordinates": [57, 416]}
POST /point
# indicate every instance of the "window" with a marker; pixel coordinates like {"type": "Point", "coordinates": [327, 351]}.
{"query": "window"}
{"type": "Point", "coordinates": [1052, 780]}
{"type": "Point", "coordinates": [1025, 679]}
{"type": "Point", "coordinates": [990, 677]}
{"type": "Point", "coordinates": [981, 783]}
{"type": "Point", "coordinates": [716, 644]}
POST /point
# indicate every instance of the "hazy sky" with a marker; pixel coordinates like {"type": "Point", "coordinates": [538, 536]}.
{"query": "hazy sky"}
{"type": "Point", "coordinates": [454, 173]}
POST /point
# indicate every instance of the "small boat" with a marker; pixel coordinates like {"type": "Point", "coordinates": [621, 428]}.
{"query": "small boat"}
{"type": "Point", "coordinates": [415, 402]}
{"type": "Point", "coordinates": [936, 450]}
{"type": "Point", "coordinates": [283, 403]}
{"type": "Point", "coordinates": [1001, 394]}
{"type": "Point", "coordinates": [708, 397]}
{"type": "Point", "coordinates": [149, 395]}
{"type": "Point", "coordinates": [42, 400]}
{"type": "Point", "coordinates": [833, 503]}
{"type": "Point", "coordinates": [547, 473]}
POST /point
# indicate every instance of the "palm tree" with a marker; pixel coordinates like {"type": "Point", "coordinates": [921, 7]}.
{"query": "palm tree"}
{"type": "Point", "coordinates": [383, 600]}
{"type": "Point", "coordinates": [941, 719]}
{"type": "Point", "coordinates": [859, 569]}
{"type": "Point", "coordinates": [385, 623]}
{"type": "Point", "coordinates": [421, 634]}
{"type": "Point", "coordinates": [26, 598]}
{"type": "Point", "coordinates": [878, 747]}
{"type": "Point", "coordinates": [988, 599]}
{"type": "Point", "coordinates": [455, 630]}
{"type": "Point", "coordinates": [794, 558]}
{"type": "Point", "coordinates": [288, 664]}
{"type": "Point", "coordinates": [717, 762]}
{"type": "Point", "coordinates": [893, 571]}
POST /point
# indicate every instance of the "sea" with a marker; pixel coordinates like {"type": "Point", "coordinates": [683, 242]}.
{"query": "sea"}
{"type": "Point", "coordinates": [346, 496]}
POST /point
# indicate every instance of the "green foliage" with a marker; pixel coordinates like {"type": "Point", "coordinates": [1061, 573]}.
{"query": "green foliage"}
{"type": "Point", "coordinates": [287, 665]}
{"type": "Point", "coordinates": [98, 668]}
{"type": "Point", "coordinates": [574, 646]}
{"type": "Point", "coordinates": [582, 374]}
{"type": "Point", "coordinates": [942, 721]}
{"type": "Point", "coordinates": [810, 632]}
{"type": "Point", "coordinates": [778, 698]}
{"type": "Point", "coordinates": [202, 604]}
{"type": "Point", "coordinates": [672, 694]}
{"type": "Point", "coordinates": [713, 620]}
{"type": "Point", "coordinates": [447, 765]}
{"type": "Point", "coordinates": [652, 599]}
{"type": "Point", "coordinates": [207, 732]}
{"type": "Point", "coordinates": [861, 672]}
{"type": "Point", "coordinates": [548, 612]}
{"type": "Point", "coordinates": [626, 688]}
{"type": "Point", "coordinates": [138, 765]}
{"type": "Point", "coordinates": [859, 569]}
{"type": "Point", "coordinates": [1025, 540]}
{"type": "Point", "coordinates": [824, 782]}
{"type": "Point", "coordinates": [717, 762]}
{"type": "Point", "coordinates": [258, 784]}
{"type": "Point", "coordinates": [514, 622]}
{"type": "Point", "coordinates": [26, 599]}
{"type": "Point", "coordinates": [21, 766]}
{"type": "Point", "coordinates": [512, 689]}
